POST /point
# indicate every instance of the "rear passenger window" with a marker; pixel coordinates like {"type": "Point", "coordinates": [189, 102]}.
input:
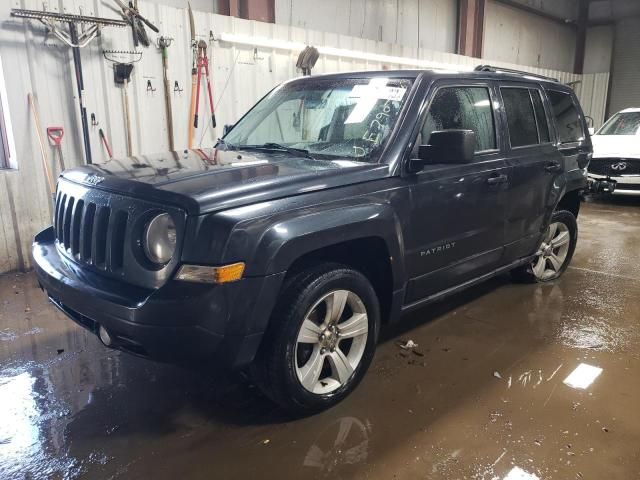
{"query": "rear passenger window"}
{"type": "Point", "coordinates": [566, 117]}
{"type": "Point", "coordinates": [520, 116]}
{"type": "Point", "coordinates": [541, 118]}
{"type": "Point", "coordinates": [467, 108]}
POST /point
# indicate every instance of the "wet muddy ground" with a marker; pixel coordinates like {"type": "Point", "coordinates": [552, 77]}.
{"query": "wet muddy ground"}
{"type": "Point", "coordinates": [491, 392]}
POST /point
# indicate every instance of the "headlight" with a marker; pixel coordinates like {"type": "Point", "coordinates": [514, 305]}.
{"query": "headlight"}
{"type": "Point", "coordinates": [159, 239]}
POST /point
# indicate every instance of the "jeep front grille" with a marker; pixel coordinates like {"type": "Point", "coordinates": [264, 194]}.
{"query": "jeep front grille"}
{"type": "Point", "coordinates": [90, 233]}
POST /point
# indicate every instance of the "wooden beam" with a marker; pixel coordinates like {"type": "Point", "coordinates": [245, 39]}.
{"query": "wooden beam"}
{"type": "Point", "coordinates": [470, 27]}
{"type": "Point", "coordinates": [581, 36]}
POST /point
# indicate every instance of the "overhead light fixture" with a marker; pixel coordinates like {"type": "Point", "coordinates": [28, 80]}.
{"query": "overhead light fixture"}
{"type": "Point", "coordinates": [583, 376]}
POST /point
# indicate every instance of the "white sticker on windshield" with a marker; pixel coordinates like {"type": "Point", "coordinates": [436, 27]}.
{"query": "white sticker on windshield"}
{"type": "Point", "coordinates": [379, 92]}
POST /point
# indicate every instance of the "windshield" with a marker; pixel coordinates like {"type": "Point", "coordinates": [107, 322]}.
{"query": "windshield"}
{"type": "Point", "coordinates": [622, 124]}
{"type": "Point", "coordinates": [324, 118]}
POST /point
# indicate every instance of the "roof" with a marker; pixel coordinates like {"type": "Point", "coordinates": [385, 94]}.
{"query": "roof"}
{"type": "Point", "coordinates": [437, 74]}
{"type": "Point", "coordinates": [629, 110]}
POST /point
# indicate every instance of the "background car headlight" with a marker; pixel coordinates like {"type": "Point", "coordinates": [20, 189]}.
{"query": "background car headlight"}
{"type": "Point", "coordinates": [159, 240]}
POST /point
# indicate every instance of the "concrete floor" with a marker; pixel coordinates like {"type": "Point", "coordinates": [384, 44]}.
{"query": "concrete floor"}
{"type": "Point", "coordinates": [484, 397]}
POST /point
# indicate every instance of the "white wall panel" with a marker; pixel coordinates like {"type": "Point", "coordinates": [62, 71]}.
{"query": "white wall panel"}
{"type": "Point", "coordinates": [512, 35]}
{"type": "Point", "coordinates": [416, 23]}
{"type": "Point", "coordinates": [240, 75]}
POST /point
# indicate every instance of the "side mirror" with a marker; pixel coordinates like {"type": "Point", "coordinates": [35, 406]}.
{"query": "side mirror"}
{"type": "Point", "coordinates": [445, 146]}
{"type": "Point", "coordinates": [592, 131]}
{"type": "Point", "coordinates": [226, 129]}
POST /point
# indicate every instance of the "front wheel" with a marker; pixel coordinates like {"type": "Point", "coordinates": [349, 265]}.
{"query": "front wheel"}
{"type": "Point", "coordinates": [554, 253]}
{"type": "Point", "coordinates": [321, 339]}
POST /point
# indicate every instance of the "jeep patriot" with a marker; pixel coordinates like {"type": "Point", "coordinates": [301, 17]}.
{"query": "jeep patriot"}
{"type": "Point", "coordinates": [335, 205]}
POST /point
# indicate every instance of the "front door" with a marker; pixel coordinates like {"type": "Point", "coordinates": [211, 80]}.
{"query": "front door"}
{"type": "Point", "coordinates": [456, 224]}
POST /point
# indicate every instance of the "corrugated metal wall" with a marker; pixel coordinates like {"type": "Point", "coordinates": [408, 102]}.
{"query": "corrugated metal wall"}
{"type": "Point", "coordinates": [414, 23]}
{"type": "Point", "coordinates": [625, 84]}
{"type": "Point", "coordinates": [241, 75]}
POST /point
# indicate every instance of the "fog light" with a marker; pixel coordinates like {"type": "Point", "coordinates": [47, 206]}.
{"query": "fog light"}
{"type": "Point", "coordinates": [104, 336]}
{"type": "Point", "coordinates": [206, 274]}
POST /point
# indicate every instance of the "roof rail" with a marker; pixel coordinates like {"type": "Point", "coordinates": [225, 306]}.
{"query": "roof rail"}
{"type": "Point", "coordinates": [491, 68]}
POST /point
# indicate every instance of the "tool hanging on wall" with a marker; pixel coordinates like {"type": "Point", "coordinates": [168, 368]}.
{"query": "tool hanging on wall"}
{"type": "Point", "coordinates": [43, 152]}
{"type": "Point", "coordinates": [163, 44]}
{"type": "Point", "coordinates": [194, 75]}
{"type": "Point", "coordinates": [76, 41]}
{"type": "Point", "coordinates": [121, 76]}
{"type": "Point", "coordinates": [131, 14]}
{"type": "Point", "coordinates": [103, 137]}
{"type": "Point", "coordinates": [203, 64]}
{"type": "Point", "coordinates": [307, 59]}
{"type": "Point", "coordinates": [55, 135]}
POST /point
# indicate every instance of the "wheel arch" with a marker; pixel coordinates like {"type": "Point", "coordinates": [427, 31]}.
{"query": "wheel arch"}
{"type": "Point", "coordinates": [367, 238]}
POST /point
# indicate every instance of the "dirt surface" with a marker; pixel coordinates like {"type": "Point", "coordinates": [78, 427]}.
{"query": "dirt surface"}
{"type": "Point", "coordinates": [484, 395]}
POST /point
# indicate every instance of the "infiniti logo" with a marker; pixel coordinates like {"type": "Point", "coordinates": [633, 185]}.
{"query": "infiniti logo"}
{"type": "Point", "coordinates": [619, 167]}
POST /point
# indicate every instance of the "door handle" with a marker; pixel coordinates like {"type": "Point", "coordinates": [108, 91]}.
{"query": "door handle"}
{"type": "Point", "coordinates": [553, 167]}
{"type": "Point", "coordinates": [494, 180]}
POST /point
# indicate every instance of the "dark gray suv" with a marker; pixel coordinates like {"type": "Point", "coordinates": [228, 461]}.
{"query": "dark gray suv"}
{"type": "Point", "coordinates": [335, 205]}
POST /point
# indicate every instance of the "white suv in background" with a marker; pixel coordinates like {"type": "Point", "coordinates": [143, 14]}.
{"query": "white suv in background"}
{"type": "Point", "coordinates": [616, 154]}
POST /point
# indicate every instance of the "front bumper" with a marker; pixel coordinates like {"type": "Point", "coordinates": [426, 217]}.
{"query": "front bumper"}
{"type": "Point", "coordinates": [614, 184]}
{"type": "Point", "coordinates": [179, 322]}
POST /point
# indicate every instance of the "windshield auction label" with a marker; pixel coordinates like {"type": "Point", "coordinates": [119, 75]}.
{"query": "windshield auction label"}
{"type": "Point", "coordinates": [379, 92]}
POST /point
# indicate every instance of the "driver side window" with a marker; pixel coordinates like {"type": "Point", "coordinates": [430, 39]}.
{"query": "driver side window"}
{"type": "Point", "coordinates": [467, 108]}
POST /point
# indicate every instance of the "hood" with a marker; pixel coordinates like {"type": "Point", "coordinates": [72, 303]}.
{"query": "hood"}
{"type": "Point", "coordinates": [207, 180]}
{"type": "Point", "coordinates": [618, 146]}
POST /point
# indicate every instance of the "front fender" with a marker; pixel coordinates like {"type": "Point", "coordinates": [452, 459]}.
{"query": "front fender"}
{"type": "Point", "coordinates": [286, 240]}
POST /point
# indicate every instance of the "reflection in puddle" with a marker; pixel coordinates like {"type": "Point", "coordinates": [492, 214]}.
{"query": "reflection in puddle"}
{"type": "Point", "coordinates": [23, 450]}
{"type": "Point", "coordinates": [517, 473]}
{"type": "Point", "coordinates": [594, 334]}
{"type": "Point", "coordinates": [583, 376]}
{"type": "Point", "coordinates": [344, 442]}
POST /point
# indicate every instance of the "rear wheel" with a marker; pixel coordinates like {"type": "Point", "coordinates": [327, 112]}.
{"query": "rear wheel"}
{"type": "Point", "coordinates": [321, 339]}
{"type": "Point", "coordinates": [555, 251]}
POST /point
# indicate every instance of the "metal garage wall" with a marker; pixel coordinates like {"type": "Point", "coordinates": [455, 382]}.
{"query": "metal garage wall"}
{"type": "Point", "coordinates": [414, 23]}
{"type": "Point", "coordinates": [625, 82]}
{"type": "Point", "coordinates": [241, 75]}
{"type": "Point", "coordinates": [515, 36]}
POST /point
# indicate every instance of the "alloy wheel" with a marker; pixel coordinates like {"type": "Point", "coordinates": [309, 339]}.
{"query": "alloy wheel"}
{"type": "Point", "coordinates": [331, 342]}
{"type": "Point", "coordinates": [553, 251]}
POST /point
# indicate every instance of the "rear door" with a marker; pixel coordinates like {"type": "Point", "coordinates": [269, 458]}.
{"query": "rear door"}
{"type": "Point", "coordinates": [570, 126]}
{"type": "Point", "coordinates": [455, 228]}
{"type": "Point", "coordinates": [535, 165]}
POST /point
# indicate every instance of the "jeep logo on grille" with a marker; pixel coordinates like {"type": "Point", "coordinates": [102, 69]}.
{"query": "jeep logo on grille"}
{"type": "Point", "coordinates": [619, 167]}
{"type": "Point", "coordinates": [93, 179]}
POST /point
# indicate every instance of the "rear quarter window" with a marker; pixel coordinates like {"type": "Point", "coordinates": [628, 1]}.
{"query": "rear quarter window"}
{"type": "Point", "coordinates": [566, 117]}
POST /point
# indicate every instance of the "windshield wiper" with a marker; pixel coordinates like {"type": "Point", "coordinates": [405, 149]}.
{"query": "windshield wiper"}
{"type": "Point", "coordinates": [277, 146]}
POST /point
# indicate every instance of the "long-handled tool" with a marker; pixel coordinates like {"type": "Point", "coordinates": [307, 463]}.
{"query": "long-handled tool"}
{"type": "Point", "coordinates": [55, 135]}
{"type": "Point", "coordinates": [163, 45]}
{"type": "Point", "coordinates": [43, 152]}
{"type": "Point", "coordinates": [121, 75]}
{"type": "Point", "coordinates": [103, 137]}
{"type": "Point", "coordinates": [203, 64]}
{"type": "Point", "coordinates": [76, 41]}
{"type": "Point", "coordinates": [132, 15]}
{"type": "Point", "coordinates": [194, 75]}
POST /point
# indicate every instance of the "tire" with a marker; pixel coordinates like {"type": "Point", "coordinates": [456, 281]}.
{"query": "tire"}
{"type": "Point", "coordinates": [552, 259]}
{"type": "Point", "coordinates": [290, 356]}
